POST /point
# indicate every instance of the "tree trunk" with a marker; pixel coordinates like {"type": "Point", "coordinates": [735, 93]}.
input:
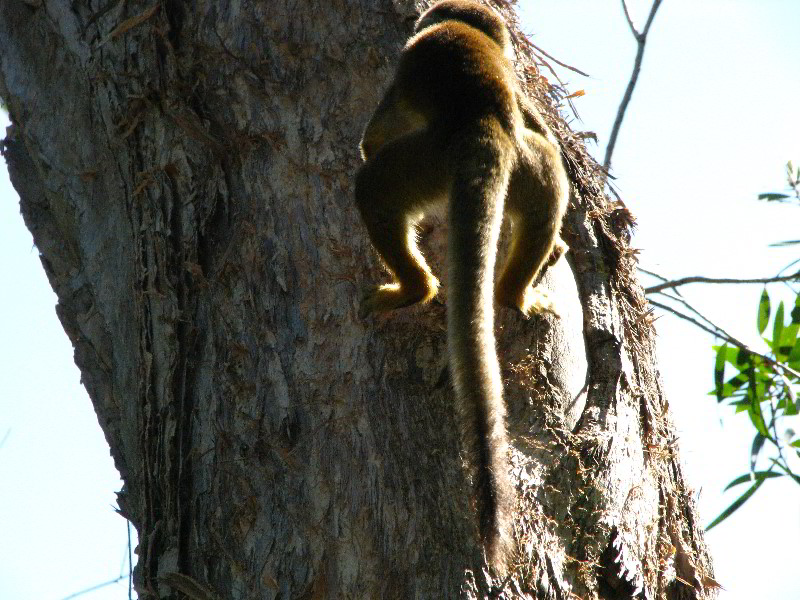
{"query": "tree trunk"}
{"type": "Point", "coordinates": [186, 170]}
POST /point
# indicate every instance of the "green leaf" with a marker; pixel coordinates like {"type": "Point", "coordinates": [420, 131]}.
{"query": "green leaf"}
{"type": "Point", "coordinates": [791, 408]}
{"type": "Point", "coordinates": [730, 387]}
{"type": "Point", "coordinates": [787, 398]}
{"type": "Point", "coordinates": [794, 356]}
{"type": "Point", "coordinates": [751, 477]}
{"type": "Point", "coordinates": [796, 310]}
{"type": "Point", "coordinates": [738, 357]}
{"type": "Point", "coordinates": [719, 372]}
{"type": "Point", "coordinates": [741, 405]}
{"type": "Point", "coordinates": [726, 391]}
{"type": "Point", "coordinates": [758, 443]}
{"type": "Point", "coordinates": [786, 470]}
{"type": "Point", "coordinates": [763, 312]}
{"type": "Point", "coordinates": [772, 197]}
{"type": "Point", "coordinates": [742, 358]}
{"type": "Point", "coordinates": [788, 338]}
{"type": "Point", "coordinates": [735, 504]}
{"type": "Point", "coordinates": [737, 381]}
{"type": "Point", "coordinates": [795, 444]}
{"type": "Point", "coordinates": [777, 327]}
{"type": "Point", "coordinates": [754, 411]}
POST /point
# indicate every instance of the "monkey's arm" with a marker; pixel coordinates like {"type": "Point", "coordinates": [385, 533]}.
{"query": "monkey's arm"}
{"type": "Point", "coordinates": [394, 118]}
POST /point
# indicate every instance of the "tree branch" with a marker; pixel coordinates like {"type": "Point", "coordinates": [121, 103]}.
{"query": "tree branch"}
{"type": "Point", "coordinates": [96, 587]}
{"type": "Point", "coordinates": [630, 21]}
{"type": "Point", "coordinates": [790, 265]}
{"type": "Point", "coordinates": [641, 40]}
{"type": "Point", "coordinates": [679, 298]}
{"type": "Point", "coordinates": [555, 60]}
{"type": "Point", "coordinates": [721, 333]}
{"type": "Point", "coordinates": [698, 279]}
{"type": "Point", "coordinates": [562, 86]}
{"type": "Point", "coordinates": [130, 563]}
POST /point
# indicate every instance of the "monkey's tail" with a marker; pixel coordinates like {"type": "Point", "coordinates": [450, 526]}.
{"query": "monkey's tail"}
{"type": "Point", "coordinates": [482, 171]}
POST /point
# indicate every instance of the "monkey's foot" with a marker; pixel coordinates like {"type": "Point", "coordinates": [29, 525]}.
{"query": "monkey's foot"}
{"type": "Point", "coordinates": [390, 296]}
{"type": "Point", "coordinates": [533, 301]}
{"type": "Point", "coordinates": [559, 248]}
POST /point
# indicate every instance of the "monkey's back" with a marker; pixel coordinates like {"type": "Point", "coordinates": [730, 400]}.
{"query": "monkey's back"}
{"type": "Point", "coordinates": [457, 74]}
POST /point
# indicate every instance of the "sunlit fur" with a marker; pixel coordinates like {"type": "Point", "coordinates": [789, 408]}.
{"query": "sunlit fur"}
{"type": "Point", "coordinates": [454, 128]}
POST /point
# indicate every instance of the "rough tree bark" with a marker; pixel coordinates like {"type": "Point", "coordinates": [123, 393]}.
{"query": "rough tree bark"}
{"type": "Point", "coordinates": [186, 170]}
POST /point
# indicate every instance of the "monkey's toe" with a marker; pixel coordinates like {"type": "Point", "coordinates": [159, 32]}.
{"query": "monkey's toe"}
{"type": "Point", "coordinates": [391, 296]}
{"type": "Point", "coordinates": [559, 248]}
{"type": "Point", "coordinates": [538, 301]}
{"type": "Point", "coordinates": [533, 301]}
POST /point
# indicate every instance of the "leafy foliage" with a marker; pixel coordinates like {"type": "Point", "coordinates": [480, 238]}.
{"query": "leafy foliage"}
{"type": "Point", "coordinates": [765, 385]}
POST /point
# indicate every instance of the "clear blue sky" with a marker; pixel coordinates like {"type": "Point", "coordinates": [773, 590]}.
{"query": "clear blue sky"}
{"type": "Point", "coordinates": [711, 124]}
{"type": "Point", "coordinates": [58, 531]}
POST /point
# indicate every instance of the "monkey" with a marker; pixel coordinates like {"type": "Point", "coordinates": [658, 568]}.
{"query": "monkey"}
{"type": "Point", "coordinates": [454, 129]}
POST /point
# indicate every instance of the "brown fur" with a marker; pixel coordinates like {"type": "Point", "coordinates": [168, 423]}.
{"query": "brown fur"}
{"type": "Point", "coordinates": [453, 128]}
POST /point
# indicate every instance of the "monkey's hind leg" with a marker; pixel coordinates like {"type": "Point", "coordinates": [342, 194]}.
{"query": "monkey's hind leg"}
{"type": "Point", "coordinates": [529, 254]}
{"type": "Point", "coordinates": [392, 191]}
{"type": "Point", "coordinates": [536, 203]}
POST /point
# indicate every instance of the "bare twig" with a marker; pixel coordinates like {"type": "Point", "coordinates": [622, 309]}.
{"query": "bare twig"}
{"type": "Point", "coordinates": [678, 298]}
{"type": "Point", "coordinates": [777, 440]}
{"type": "Point", "coordinates": [525, 41]}
{"type": "Point", "coordinates": [558, 62]}
{"type": "Point", "coordinates": [641, 40]}
{"type": "Point", "coordinates": [95, 587]}
{"type": "Point", "coordinates": [562, 86]}
{"type": "Point", "coordinates": [698, 279]}
{"type": "Point", "coordinates": [793, 179]}
{"type": "Point", "coordinates": [130, 563]}
{"type": "Point", "coordinates": [630, 21]}
{"type": "Point", "coordinates": [653, 273]}
{"type": "Point", "coordinates": [789, 266]}
{"type": "Point", "coordinates": [720, 333]}
{"type": "Point", "coordinates": [128, 575]}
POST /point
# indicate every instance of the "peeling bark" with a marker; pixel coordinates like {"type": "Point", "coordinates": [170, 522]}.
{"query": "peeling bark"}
{"type": "Point", "coordinates": [186, 172]}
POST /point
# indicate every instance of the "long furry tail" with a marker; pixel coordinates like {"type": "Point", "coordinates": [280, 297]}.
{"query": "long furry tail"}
{"type": "Point", "coordinates": [476, 213]}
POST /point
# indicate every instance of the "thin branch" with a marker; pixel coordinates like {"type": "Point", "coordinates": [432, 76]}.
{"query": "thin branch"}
{"type": "Point", "coordinates": [682, 300]}
{"type": "Point", "coordinates": [630, 21]}
{"type": "Point", "coordinates": [699, 279]}
{"type": "Point", "coordinates": [685, 317]}
{"type": "Point", "coordinates": [540, 53]}
{"type": "Point", "coordinates": [793, 179]}
{"type": "Point", "coordinates": [791, 264]}
{"type": "Point", "coordinates": [719, 332]}
{"type": "Point", "coordinates": [650, 17]}
{"type": "Point", "coordinates": [130, 563]}
{"type": "Point", "coordinates": [653, 274]}
{"type": "Point", "coordinates": [777, 440]}
{"type": "Point", "coordinates": [563, 87]}
{"type": "Point", "coordinates": [558, 62]}
{"type": "Point", "coordinates": [641, 40]}
{"type": "Point", "coordinates": [96, 587]}
{"type": "Point", "coordinates": [122, 576]}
